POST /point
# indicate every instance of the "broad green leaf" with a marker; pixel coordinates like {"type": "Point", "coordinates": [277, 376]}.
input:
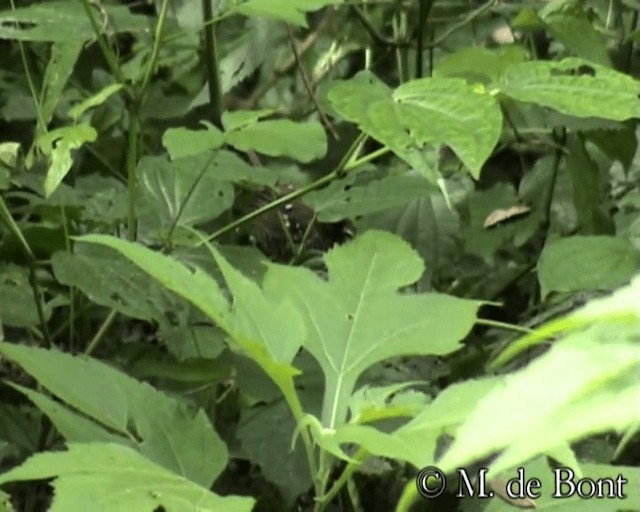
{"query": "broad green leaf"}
{"type": "Point", "coordinates": [427, 111]}
{"type": "Point", "coordinates": [584, 385]}
{"type": "Point", "coordinates": [261, 319]}
{"type": "Point", "coordinates": [587, 262]}
{"type": "Point", "coordinates": [577, 33]}
{"type": "Point", "coordinates": [65, 21]}
{"type": "Point", "coordinates": [448, 111]}
{"type": "Point", "coordinates": [60, 66]}
{"type": "Point", "coordinates": [241, 118]}
{"type": "Point", "coordinates": [303, 142]}
{"type": "Point", "coordinates": [290, 11]}
{"type": "Point", "coordinates": [74, 427]}
{"type": "Point", "coordinates": [342, 200]}
{"type": "Point", "coordinates": [59, 144]}
{"type": "Point", "coordinates": [357, 318]}
{"type": "Point", "coordinates": [115, 478]}
{"type": "Point", "coordinates": [193, 284]}
{"type": "Point", "coordinates": [478, 64]}
{"type": "Point", "coordinates": [109, 279]}
{"type": "Point", "coordinates": [265, 433]}
{"type": "Point", "coordinates": [587, 184]}
{"type": "Point", "coordinates": [17, 304]}
{"type": "Point", "coordinates": [201, 290]}
{"type": "Point", "coordinates": [21, 426]}
{"type": "Point", "coordinates": [163, 429]}
{"type": "Point", "coordinates": [181, 142]}
{"type": "Point", "coordinates": [174, 194]}
{"type": "Point", "coordinates": [573, 86]}
{"type": "Point", "coordinates": [94, 101]}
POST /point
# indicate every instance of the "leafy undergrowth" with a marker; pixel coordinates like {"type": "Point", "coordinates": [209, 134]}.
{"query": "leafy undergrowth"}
{"type": "Point", "coordinates": [281, 255]}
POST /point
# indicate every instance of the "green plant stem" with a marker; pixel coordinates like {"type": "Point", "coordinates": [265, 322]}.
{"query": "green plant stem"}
{"type": "Point", "coordinates": [132, 163]}
{"type": "Point", "coordinates": [465, 21]}
{"type": "Point", "coordinates": [97, 338]}
{"type": "Point", "coordinates": [107, 52]}
{"type": "Point", "coordinates": [155, 50]}
{"type": "Point", "coordinates": [627, 50]}
{"type": "Point", "coordinates": [408, 497]}
{"type": "Point", "coordinates": [213, 66]}
{"type": "Point", "coordinates": [424, 9]}
{"type": "Point", "coordinates": [548, 200]}
{"type": "Point", "coordinates": [325, 180]}
{"type": "Point", "coordinates": [503, 325]}
{"type": "Point", "coordinates": [345, 476]}
{"type": "Point", "coordinates": [7, 219]}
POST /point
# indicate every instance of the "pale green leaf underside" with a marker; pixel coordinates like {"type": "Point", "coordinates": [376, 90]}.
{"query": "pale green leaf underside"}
{"type": "Point", "coordinates": [115, 478]}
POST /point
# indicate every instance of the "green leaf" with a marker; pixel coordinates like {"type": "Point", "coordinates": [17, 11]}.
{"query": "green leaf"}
{"type": "Point", "coordinates": [242, 118]}
{"type": "Point", "coordinates": [478, 64]}
{"type": "Point", "coordinates": [357, 318]}
{"type": "Point", "coordinates": [415, 442]}
{"type": "Point", "coordinates": [181, 142]}
{"type": "Point", "coordinates": [178, 193]}
{"type": "Point", "coordinates": [588, 184]}
{"type": "Point", "coordinates": [573, 86]}
{"type": "Point", "coordinates": [168, 433]}
{"type": "Point", "coordinates": [426, 111]}
{"type": "Point", "coordinates": [65, 21]}
{"type": "Point", "coordinates": [258, 318]}
{"type": "Point", "coordinates": [109, 279]}
{"type": "Point", "coordinates": [584, 385]}
{"type": "Point", "coordinates": [74, 427]}
{"type": "Point", "coordinates": [94, 101]}
{"type": "Point", "coordinates": [340, 201]}
{"type": "Point", "coordinates": [586, 262]}
{"type": "Point", "coordinates": [303, 142]}
{"type": "Point", "coordinates": [195, 285]}
{"type": "Point", "coordinates": [290, 11]}
{"type": "Point", "coordinates": [116, 478]}
{"type": "Point", "coordinates": [577, 33]}
{"type": "Point", "coordinates": [59, 144]}
{"type": "Point", "coordinates": [201, 290]}
{"type": "Point", "coordinates": [60, 66]}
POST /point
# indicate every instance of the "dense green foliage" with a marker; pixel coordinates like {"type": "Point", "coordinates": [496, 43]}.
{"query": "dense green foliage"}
{"type": "Point", "coordinates": [279, 255]}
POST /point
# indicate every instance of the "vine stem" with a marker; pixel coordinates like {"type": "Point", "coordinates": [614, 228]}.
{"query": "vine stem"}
{"type": "Point", "coordinates": [346, 165]}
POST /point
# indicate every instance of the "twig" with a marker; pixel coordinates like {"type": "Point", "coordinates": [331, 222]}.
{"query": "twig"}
{"type": "Point", "coordinates": [308, 86]}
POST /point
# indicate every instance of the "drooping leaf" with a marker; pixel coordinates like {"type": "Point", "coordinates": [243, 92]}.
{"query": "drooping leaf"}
{"type": "Point", "coordinates": [59, 144]}
{"type": "Point", "coordinates": [93, 101]}
{"type": "Point", "coordinates": [426, 111]}
{"type": "Point", "coordinates": [116, 478]}
{"type": "Point", "coordinates": [60, 66]}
